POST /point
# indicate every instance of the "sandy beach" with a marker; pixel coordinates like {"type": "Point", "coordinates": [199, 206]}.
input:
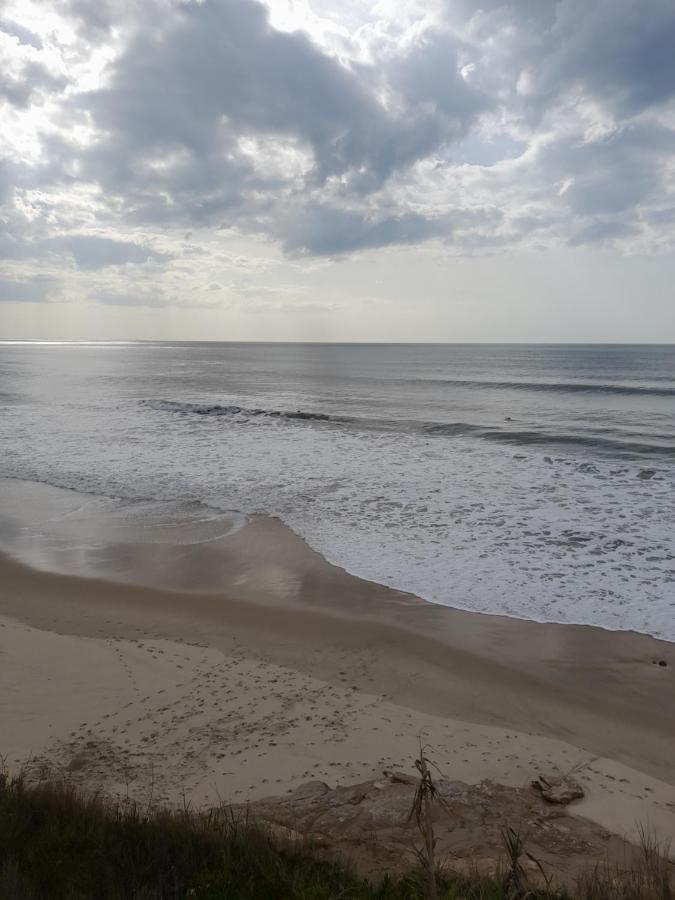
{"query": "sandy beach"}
{"type": "Point", "coordinates": [240, 666]}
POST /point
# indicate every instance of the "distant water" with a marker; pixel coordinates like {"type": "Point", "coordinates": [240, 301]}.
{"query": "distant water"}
{"type": "Point", "coordinates": [534, 481]}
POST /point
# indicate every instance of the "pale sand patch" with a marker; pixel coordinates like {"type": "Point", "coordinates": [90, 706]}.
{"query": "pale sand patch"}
{"type": "Point", "coordinates": [182, 723]}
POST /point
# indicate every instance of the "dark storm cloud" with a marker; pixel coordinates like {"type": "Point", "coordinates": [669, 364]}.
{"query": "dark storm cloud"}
{"type": "Point", "coordinates": [94, 252]}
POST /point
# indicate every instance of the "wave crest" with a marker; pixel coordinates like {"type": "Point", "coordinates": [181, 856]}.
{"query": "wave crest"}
{"type": "Point", "coordinates": [215, 409]}
{"type": "Point", "coordinates": [509, 434]}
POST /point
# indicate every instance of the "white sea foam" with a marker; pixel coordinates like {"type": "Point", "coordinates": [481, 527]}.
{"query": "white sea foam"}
{"type": "Point", "coordinates": [561, 538]}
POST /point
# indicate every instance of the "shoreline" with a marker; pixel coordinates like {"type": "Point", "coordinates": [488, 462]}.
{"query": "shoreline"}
{"type": "Point", "coordinates": [238, 520]}
{"type": "Point", "coordinates": [290, 679]}
{"type": "Point", "coordinates": [565, 586]}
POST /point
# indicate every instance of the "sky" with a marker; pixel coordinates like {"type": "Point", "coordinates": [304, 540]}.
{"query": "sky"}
{"type": "Point", "coordinates": [445, 170]}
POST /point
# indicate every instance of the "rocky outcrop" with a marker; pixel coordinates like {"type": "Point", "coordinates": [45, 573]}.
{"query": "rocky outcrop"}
{"type": "Point", "coordinates": [371, 825]}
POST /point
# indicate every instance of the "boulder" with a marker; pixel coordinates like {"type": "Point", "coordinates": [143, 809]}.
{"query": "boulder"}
{"type": "Point", "coordinates": [560, 790]}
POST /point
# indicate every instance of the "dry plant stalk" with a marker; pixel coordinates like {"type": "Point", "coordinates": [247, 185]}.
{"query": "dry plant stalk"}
{"type": "Point", "coordinates": [516, 882]}
{"type": "Point", "coordinates": [422, 810]}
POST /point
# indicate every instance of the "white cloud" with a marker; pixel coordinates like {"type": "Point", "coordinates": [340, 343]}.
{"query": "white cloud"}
{"type": "Point", "coordinates": [318, 129]}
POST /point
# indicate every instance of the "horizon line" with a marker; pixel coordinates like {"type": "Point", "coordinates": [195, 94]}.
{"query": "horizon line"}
{"type": "Point", "coordinates": [132, 341]}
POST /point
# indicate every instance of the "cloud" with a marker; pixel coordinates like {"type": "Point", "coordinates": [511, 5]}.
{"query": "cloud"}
{"type": "Point", "coordinates": [32, 78]}
{"type": "Point", "coordinates": [618, 52]}
{"type": "Point", "coordinates": [613, 173]}
{"type": "Point", "coordinates": [601, 233]}
{"type": "Point", "coordinates": [96, 19]}
{"type": "Point", "coordinates": [326, 231]}
{"type": "Point", "coordinates": [217, 67]}
{"type": "Point", "coordinates": [490, 125]}
{"type": "Point", "coordinates": [22, 34]}
{"type": "Point", "coordinates": [145, 298]}
{"type": "Point", "coordinates": [189, 92]}
{"type": "Point", "coordinates": [30, 290]}
{"type": "Point", "coordinates": [429, 72]}
{"type": "Point", "coordinates": [94, 252]}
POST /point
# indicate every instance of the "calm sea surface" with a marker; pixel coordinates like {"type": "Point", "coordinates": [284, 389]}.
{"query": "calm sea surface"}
{"type": "Point", "coordinates": [536, 481]}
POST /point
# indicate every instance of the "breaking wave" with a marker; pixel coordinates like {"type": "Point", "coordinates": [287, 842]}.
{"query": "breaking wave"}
{"type": "Point", "coordinates": [613, 445]}
{"type": "Point", "coordinates": [215, 409]}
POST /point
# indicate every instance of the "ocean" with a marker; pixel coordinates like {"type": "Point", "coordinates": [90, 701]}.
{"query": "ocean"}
{"type": "Point", "coordinates": [535, 481]}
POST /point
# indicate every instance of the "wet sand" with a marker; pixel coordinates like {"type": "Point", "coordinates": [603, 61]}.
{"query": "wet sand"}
{"type": "Point", "coordinates": [239, 666]}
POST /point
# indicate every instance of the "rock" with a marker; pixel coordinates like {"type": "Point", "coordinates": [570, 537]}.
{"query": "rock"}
{"type": "Point", "coordinates": [561, 790]}
{"type": "Point", "coordinates": [370, 825]}
{"type": "Point", "coordinates": [387, 812]}
{"type": "Point", "coordinates": [355, 794]}
{"type": "Point", "coordinates": [400, 778]}
{"type": "Point", "coordinates": [646, 474]}
{"type": "Point", "coordinates": [451, 790]}
{"type": "Point", "coordinates": [310, 790]}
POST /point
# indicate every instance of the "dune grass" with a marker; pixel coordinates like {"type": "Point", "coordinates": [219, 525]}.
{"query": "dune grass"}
{"type": "Point", "coordinates": [58, 845]}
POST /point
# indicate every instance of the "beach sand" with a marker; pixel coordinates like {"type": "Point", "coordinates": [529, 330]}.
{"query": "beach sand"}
{"type": "Point", "coordinates": [241, 666]}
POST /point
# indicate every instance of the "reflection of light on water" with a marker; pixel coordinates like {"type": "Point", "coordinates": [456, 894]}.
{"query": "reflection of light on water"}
{"type": "Point", "coordinates": [41, 551]}
{"type": "Point", "coordinates": [60, 531]}
{"type": "Point", "coordinates": [69, 343]}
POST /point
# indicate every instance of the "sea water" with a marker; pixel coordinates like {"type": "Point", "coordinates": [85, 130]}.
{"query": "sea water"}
{"type": "Point", "coordinates": [529, 480]}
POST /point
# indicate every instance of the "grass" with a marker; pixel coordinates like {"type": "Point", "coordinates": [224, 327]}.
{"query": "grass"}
{"type": "Point", "coordinates": [57, 845]}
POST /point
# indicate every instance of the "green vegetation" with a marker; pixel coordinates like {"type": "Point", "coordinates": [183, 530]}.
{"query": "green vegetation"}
{"type": "Point", "coordinates": [56, 845]}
